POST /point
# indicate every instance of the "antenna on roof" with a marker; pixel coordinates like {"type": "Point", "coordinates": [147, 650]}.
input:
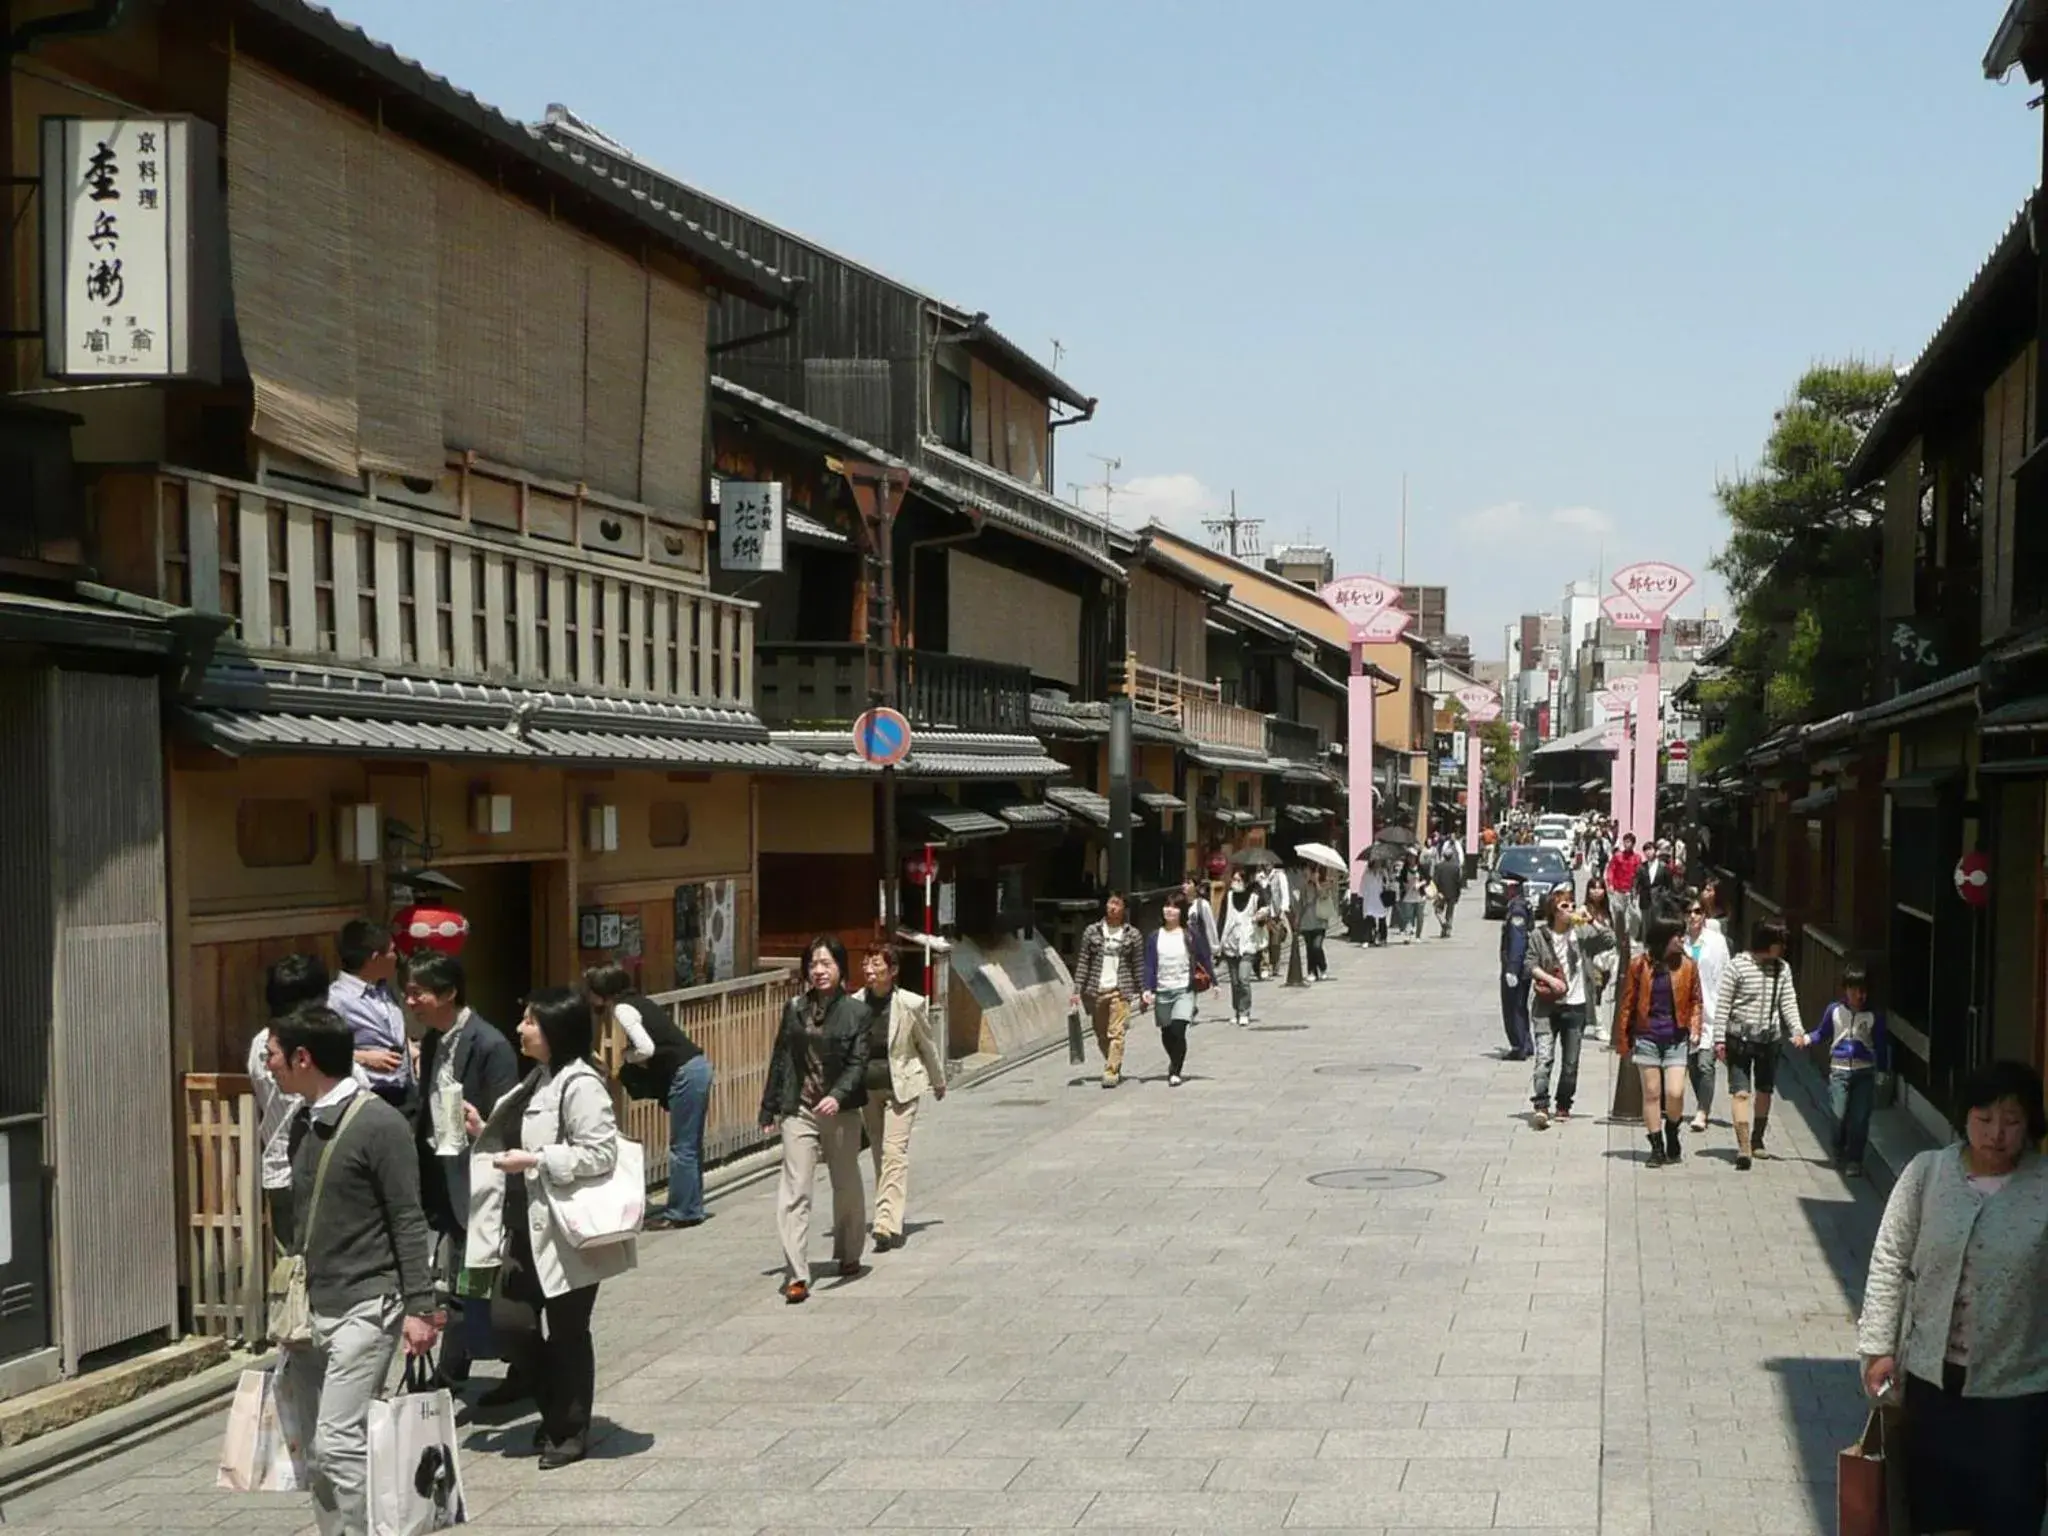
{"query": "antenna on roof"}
{"type": "Point", "coordinates": [1237, 537]}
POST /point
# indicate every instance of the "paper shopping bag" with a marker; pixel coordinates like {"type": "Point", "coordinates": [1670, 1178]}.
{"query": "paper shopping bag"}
{"type": "Point", "coordinates": [1870, 1491]}
{"type": "Point", "coordinates": [415, 1472]}
{"type": "Point", "coordinates": [255, 1455]}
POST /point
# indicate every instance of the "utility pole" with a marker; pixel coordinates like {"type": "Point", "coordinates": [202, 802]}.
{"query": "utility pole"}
{"type": "Point", "coordinates": [878, 493]}
{"type": "Point", "coordinates": [1237, 537]}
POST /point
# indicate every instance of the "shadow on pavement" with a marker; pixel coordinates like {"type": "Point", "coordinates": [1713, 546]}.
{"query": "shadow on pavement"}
{"type": "Point", "coordinates": [1822, 1410]}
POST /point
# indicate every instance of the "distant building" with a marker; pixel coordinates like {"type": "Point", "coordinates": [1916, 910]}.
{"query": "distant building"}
{"type": "Point", "coordinates": [1456, 650]}
{"type": "Point", "coordinates": [1306, 565]}
{"type": "Point", "coordinates": [1430, 605]}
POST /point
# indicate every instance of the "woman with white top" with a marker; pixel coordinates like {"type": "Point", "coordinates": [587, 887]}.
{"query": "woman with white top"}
{"type": "Point", "coordinates": [1954, 1312]}
{"type": "Point", "coordinates": [557, 1130]}
{"type": "Point", "coordinates": [1177, 965]}
{"type": "Point", "coordinates": [1709, 952]}
{"type": "Point", "coordinates": [1241, 944]}
{"type": "Point", "coordinates": [1556, 967]}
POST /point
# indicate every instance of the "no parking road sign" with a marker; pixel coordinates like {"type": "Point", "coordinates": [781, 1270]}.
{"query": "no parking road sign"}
{"type": "Point", "coordinates": [882, 737]}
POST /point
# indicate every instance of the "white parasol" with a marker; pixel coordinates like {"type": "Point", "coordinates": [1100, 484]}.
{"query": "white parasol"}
{"type": "Point", "coordinates": [1320, 853]}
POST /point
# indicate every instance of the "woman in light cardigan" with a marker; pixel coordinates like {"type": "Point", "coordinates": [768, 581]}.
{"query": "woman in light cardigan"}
{"type": "Point", "coordinates": [904, 1065]}
{"type": "Point", "coordinates": [553, 1132]}
{"type": "Point", "coordinates": [1176, 958]}
{"type": "Point", "coordinates": [1955, 1311]}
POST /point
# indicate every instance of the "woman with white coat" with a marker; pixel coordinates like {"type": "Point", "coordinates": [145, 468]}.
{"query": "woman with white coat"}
{"type": "Point", "coordinates": [904, 1065]}
{"type": "Point", "coordinates": [553, 1133]}
{"type": "Point", "coordinates": [1241, 944]}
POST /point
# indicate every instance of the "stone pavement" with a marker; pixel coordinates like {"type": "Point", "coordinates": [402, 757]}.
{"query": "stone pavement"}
{"type": "Point", "coordinates": [1133, 1310]}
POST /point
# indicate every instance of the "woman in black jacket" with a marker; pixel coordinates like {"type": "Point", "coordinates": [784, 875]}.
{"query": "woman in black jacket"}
{"type": "Point", "coordinates": [816, 1086]}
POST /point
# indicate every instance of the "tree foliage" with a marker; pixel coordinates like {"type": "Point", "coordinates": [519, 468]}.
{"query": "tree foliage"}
{"type": "Point", "coordinates": [1802, 563]}
{"type": "Point", "coordinates": [1499, 745]}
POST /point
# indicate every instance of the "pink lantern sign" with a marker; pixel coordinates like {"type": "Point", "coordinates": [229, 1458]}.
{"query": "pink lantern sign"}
{"type": "Point", "coordinates": [1613, 741]}
{"type": "Point", "coordinates": [1366, 604]}
{"type": "Point", "coordinates": [1474, 697]}
{"type": "Point", "coordinates": [1359, 597]}
{"type": "Point", "coordinates": [1627, 613]}
{"type": "Point", "coordinates": [1388, 624]}
{"type": "Point", "coordinates": [1485, 714]}
{"type": "Point", "coordinates": [1653, 586]}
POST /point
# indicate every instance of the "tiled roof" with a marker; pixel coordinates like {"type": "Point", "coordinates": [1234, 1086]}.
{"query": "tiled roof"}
{"type": "Point", "coordinates": [720, 258]}
{"type": "Point", "coordinates": [1032, 813]}
{"type": "Point", "coordinates": [955, 823]}
{"type": "Point", "coordinates": [1085, 804]}
{"type": "Point", "coordinates": [934, 755]}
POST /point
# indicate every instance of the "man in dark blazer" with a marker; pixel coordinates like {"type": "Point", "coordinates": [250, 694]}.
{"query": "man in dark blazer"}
{"type": "Point", "coordinates": [1655, 879]}
{"type": "Point", "coordinates": [464, 1060]}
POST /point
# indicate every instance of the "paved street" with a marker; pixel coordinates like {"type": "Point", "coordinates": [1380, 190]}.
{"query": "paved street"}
{"type": "Point", "coordinates": [1133, 1310]}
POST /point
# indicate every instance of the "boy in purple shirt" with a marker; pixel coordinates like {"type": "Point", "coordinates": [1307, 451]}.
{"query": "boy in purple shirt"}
{"type": "Point", "coordinates": [1858, 1049]}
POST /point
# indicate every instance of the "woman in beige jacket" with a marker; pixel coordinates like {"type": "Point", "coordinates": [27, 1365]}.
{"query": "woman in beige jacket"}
{"type": "Point", "coordinates": [903, 1064]}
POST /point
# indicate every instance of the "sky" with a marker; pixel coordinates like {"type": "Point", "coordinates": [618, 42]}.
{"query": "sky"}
{"type": "Point", "coordinates": [1556, 265]}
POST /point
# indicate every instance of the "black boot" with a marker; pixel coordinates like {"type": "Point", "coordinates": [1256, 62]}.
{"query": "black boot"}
{"type": "Point", "coordinates": [1672, 1151]}
{"type": "Point", "coordinates": [1657, 1158]}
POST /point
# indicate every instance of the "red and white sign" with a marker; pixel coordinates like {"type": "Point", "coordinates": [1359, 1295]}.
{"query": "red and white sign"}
{"type": "Point", "coordinates": [1626, 613]}
{"type": "Point", "coordinates": [423, 927]}
{"type": "Point", "coordinates": [1653, 586]}
{"type": "Point", "coordinates": [1973, 879]}
{"type": "Point", "coordinates": [1357, 598]}
{"type": "Point", "coordinates": [1678, 751]}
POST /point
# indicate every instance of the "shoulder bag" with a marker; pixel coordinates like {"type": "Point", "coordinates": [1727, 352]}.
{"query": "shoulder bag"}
{"type": "Point", "coordinates": [288, 1303]}
{"type": "Point", "coordinates": [606, 1208]}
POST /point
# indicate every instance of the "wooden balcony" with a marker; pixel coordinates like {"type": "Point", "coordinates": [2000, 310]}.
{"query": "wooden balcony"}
{"type": "Point", "coordinates": [826, 684]}
{"type": "Point", "coordinates": [1196, 706]}
{"type": "Point", "coordinates": [1292, 740]}
{"type": "Point", "coordinates": [327, 579]}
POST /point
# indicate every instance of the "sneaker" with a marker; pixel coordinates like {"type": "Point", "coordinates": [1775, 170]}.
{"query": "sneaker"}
{"type": "Point", "coordinates": [1111, 1079]}
{"type": "Point", "coordinates": [1699, 1121]}
{"type": "Point", "coordinates": [1173, 1080]}
{"type": "Point", "coordinates": [1561, 1116]}
{"type": "Point", "coordinates": [1541, 1119]}
{"type": "Point", "coordinates": [1852, 1170]}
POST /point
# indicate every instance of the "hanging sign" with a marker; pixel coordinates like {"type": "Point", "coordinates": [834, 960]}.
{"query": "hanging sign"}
{"type": "Point", "coordinates": [1474, 697]}
{"type": "Point", "coordinates": [750, 525]}
{"type": "Point", "coordinates": [1485, 714]}
{"type": "Point", "coordinates": [1654, 587]}
{"type": "Point", "coordinates": [1388, 624]}
{"type": "Point", "coordinates": [1614, 740]}
{"type": "Point", "coordinates": [882, 737]}
{"type": "Point", "coordinates": [131, 226]}
{"type": "Point", "coordinates": [1357, 598]}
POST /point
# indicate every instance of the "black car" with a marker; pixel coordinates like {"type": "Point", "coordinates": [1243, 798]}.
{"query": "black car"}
{"type": "Point", "coordinates": [1539, 869]}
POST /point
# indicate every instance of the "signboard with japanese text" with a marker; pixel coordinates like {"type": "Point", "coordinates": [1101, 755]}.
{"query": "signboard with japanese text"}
{"type": "Point", "coordinates": [1654, 587]}
{"type": "Point", "coordinates": [131, 228]}
{"type": "Point", "coordinates": [1626, 613]}
{"type": "Point", "coordinates": [1357, 598]}
{"type": "Point", "coordinates": [750, 525]}
{"type": "Point", "coordinates": [1382, 626]}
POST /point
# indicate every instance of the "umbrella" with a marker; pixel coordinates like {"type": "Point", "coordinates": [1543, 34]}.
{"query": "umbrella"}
{"type": "Point", "coordinates": [1395, 837]}
{"type": "Point", "coordinates": [1255, 858]}
{"type": "Point", "coordinates": [1320, 853]}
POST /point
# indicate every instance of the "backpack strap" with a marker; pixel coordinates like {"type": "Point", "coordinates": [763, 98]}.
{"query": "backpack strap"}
{"type": "Point", "coordinates": [320, 1172]}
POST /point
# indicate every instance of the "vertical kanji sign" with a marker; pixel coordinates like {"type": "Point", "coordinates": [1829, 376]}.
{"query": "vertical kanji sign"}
{"type": "Point", "coordinates": [131, 236]}
{"type": "Point", "coordinates": [750, 525]}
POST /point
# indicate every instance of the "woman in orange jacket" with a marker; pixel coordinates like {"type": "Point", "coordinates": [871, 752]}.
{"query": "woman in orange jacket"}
{"type": "Point", "coordinates": [1657, 1026]}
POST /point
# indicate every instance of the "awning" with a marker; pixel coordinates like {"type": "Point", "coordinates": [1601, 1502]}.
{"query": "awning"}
{"type": "Point", "coordinates": [1588, 787]}
{"type": "Point", "coordinates": [1031, 813]}
{"type": "Point", "coordinates": [953, 823]}
{"type": "Point", "coordinates": [1819, 800]}
{"type": "Point", "coordinates": [933, 755]}
{"type": "Point", "coordinates": [1083, 803]}
{"type": "Point", "coordinates": [2015, 768]}
{"type": "Point", "coordinates": [1299, 774]}
{"type": "Point", "coordinates": [1243, 759]}
{"type": "Point", "coordinates": [1921, 789]}
{"type": "Point", "coordinates": [1157, 799]}
{"type": "Point", "coordinates": [1228, 815]}
{"type": "Point", "coordinates": [2017, 718]}
{"type": "Point", "coordinates": [1308, 815]}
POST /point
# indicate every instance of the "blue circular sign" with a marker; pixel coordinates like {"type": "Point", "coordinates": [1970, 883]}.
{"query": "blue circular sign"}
{"type": "Point", "coordinates": [882, 737]}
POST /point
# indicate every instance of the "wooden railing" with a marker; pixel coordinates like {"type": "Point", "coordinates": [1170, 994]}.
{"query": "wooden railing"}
{"type": "Point", "coordinates": [1295, 742]}
{"type": "Point", "coordinates": [734, 1023]}
{"type": "Point", "coordinates": [360, 582]}
{"type": "Point", "coordinates": [226, 1224]}
{"type": "Point", "coordinates": [826, 684]}
{"type": "Point", "coordinates": [1197, 707]}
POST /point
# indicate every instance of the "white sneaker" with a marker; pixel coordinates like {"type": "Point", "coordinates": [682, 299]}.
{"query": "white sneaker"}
{"type": "Point", "coordinates": [1541, 1119]}
{"type": "Point", "coordinates": [1699, 1121]}
{"type": "Point", "coordinates": [1173, 1080]}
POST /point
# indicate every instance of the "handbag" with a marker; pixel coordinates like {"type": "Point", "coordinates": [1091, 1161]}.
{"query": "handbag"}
{"type": "Point", "coordinates": [256, 1456]}
{"type": "Point", "coordinates": [288, 1304]}
{"type": "Point", "coordinates": [606, 1208]}
{"type": "Point", "coordinates": [1870, 1485]}
{"type": "Point", "coordinates": [415, 1466]}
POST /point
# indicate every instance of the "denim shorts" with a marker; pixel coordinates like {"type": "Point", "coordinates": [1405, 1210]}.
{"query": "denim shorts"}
{"type": "Point", "coordinates": [1645, 1052]}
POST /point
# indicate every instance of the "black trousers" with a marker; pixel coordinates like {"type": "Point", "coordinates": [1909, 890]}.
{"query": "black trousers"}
{"type": "Point", "coordinates": [1975, 1463]}
{"type": "Point", "coordinates": [1174, 1036]}
{"type": "Point", "coordinates": [1312, 945]}
{"type": "Point", "coordinates": [546, 1339]}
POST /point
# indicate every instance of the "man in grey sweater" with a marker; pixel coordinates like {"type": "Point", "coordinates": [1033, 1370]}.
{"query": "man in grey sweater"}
{"type": "Point", "coordinates": [356, 1194]}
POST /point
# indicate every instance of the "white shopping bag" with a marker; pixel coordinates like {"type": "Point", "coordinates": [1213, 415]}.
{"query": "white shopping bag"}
{"type": "Point", "coordinates": [415, 1474]}
{"type": "Point", "coordinates": [255, 1455]}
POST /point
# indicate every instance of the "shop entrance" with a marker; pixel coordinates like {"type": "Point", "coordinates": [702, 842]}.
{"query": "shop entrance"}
{"type": "Point", "coordinates": [504, 937]}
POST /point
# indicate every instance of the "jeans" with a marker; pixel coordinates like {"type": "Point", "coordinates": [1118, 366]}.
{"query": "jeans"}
{"type": "Point", "coordinates": [1408, 917]}
{"type": "Point", "coordinates": [1752, 1062]}
{"type": "Point", "coordinates": [1701, 1070]}
{"type": "Point", "coordinates": [1514, 1017]}
{"type": "Point", "coordinates": [1851, 1095]}
{"type": "Point", "coordinates": [1312, 952]}
{"type": "Point", "coordinates": [689, 1096]}
{"type": "Point", "coordinates": [328, 1384]}
{"type": "Point", "coordinates": [1240, 985]}
{"type": "Point", "coordinates": [1445, 913]}
{"type": "Point", "coordinates": [1559, 1036]}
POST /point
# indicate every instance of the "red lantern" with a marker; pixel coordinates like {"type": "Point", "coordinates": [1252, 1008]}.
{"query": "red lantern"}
{"type": "Point", "coordinates": [921, 866]}
{"type": "Point", "coordinates": [1219, 866]}
{"type": "Point", "coordinates": [1973, 879]}
{"type": "Point", "coordinates": [424, 927]}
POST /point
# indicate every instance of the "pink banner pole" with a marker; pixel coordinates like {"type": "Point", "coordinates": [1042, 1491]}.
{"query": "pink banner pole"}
{"type": "Point", "coordinates": [1472, 756]}
{"type": "Point", "coordinates": [1618, 788]}
{"type": "Point", "coordinates": [1361, 765]}
{"type": "Point", "coordinates": [1649, 736]}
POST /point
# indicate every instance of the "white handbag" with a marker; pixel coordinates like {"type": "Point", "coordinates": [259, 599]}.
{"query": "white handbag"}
{"type": "Point", "coordinates": [606, 1209]}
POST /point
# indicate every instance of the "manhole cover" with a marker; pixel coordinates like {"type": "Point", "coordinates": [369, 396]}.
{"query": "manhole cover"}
{"type": "Point", "coordinates": [1022, 1103]}
{"type": "Point", "coordinates": [1364, 1068]}
{"type": "Point", "coordinates": [1376, 1178]}
{"type": "Point", "coordinates": [1274, 1029]}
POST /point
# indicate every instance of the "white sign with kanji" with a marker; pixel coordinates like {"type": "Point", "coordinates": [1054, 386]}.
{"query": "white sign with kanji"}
{"type": "Point", "coordinates": [750, 525]}
{"type": "Point", "coordinates": [1653, 586]}
{"type": "Point", "coordinates": [1359, 597]}
{"type": "Point", "coordinates": [125, 293]}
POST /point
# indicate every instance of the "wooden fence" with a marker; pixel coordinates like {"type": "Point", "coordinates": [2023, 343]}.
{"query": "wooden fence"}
{"type": "Point", "coordinates": [227, 1228]}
